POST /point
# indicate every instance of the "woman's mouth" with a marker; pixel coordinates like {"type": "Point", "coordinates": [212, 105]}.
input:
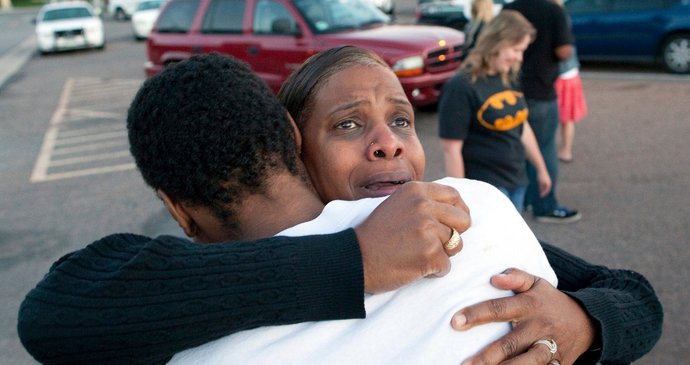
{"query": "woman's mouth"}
{"type": "Point", "coordinates": [384, 184]}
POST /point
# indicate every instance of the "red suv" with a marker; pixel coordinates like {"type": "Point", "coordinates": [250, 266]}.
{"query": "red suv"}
{"type": "Point", "coordinates": [276, 36]}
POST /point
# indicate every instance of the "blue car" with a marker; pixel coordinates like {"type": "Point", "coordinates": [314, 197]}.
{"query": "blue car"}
{"type": "Point", "coordinates": [633, 30]}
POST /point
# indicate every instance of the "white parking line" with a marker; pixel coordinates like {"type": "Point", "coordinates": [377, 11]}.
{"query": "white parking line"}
{"type": "Point", "coordinates": [74, 160]}
{"type": "Point", "coordinates": [90, 137]}
{"type": "Point", "coordinates": [85, 137]}
{"type": "Point", "coordinates": [76, 114]}
{"type": "Point", "coordinates": [41, 168]}
{"type": "Point", "coordinates": [93, 171]}
{"type": "Point", "coordinates": [88, 147]}
{"type": "Point", "coordinates": [92, 130]}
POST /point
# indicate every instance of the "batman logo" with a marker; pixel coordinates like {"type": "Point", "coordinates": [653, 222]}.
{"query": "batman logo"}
{"type": "Point", "coordinates": [502, 112]}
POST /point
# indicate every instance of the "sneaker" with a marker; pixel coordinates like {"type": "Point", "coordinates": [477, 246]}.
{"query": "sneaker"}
{"type": "Point", "coordinates": [560, 215]}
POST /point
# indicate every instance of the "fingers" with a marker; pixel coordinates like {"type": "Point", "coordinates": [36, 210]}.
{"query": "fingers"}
{"type": "Point", "coordinates": [537, 312]}
{"type": "Point", "coordinates": [514, 279]}
{"type": "Point", "coordinates": [517, 347]}
{"type": "Point", "coordinates": [445, 205]}
{"type": "Point", "coordinates": [501, 309]}
{"type": "Point", "coordinates": [512, 350]}
{"type": "Point", "coordinates": [444, 194]}
{"type": "Point", "coordinates": [452, 246]}
{"type": "Point", "coordinates": [451, 219]}
{"type": "Point", "coordinates": [494, 310]}
{"type": "Point", "coordinates": [454, 243]}
{"type": "Point", "coordinates": [403, 239]}
{"type": "Point", "coordinates": [450, 209]}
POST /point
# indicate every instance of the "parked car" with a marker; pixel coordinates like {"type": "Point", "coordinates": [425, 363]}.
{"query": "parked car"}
{"type": "Point", "coordinates": [68, 25]}
{"type": "Point", "coordinates": [144, 17]}
{"type": "Point", "coordinates": [122, 9]}
{"type": "Point", "coordinates": [276, 36]}
{"type": "Point", "coordinates": [633, 30]}
{"type": "Point", "coordinates": [449, 13]}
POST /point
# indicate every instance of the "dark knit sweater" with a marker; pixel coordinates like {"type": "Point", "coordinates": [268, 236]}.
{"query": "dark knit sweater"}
{"type": "Point", "coordinates": [129, 299]}
{"type": "Point", "coordinates": [623, 302]}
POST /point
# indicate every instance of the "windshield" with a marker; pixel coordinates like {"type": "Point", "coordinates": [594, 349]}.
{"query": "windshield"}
{"type": "Point", "coordinates": [66, 13]}
{"type": "Point", "coordinates": [148, 5]}
{"type": "Point", "coordinates": [330, 16]}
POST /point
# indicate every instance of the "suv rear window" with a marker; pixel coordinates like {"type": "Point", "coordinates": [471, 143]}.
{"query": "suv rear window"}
{"type": "Point", "coordinates": [178, 17]}
{"type": "Point", "coordinates": [224, 17]}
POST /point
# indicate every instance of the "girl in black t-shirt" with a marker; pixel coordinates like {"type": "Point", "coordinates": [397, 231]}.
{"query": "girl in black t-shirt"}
{"type": "Point", "coordinates": [483, 116]}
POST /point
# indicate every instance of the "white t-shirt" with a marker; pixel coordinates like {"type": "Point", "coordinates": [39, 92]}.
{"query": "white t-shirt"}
{"type": "Point", "coordinates": [410, 325]}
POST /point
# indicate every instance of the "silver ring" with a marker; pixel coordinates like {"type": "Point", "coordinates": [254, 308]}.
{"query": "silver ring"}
{"type": "Point", "coordinates": [453, 241]}
{"type": "Point", "coordinates": [550, 344]}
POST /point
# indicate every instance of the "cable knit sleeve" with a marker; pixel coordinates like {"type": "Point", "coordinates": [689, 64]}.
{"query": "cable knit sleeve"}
{"type": "Point", "coordinates": [130, 299]}
{"type": "Point", "coordinates": [622, 302]}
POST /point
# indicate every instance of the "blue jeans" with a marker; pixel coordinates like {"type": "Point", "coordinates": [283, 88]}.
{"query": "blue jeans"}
{"type": "Point", "coordinates": [517, 196]}
{"type": "Point", "coordinates": [543, 118]}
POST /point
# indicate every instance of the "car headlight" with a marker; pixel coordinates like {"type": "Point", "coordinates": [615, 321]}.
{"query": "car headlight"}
{"type": "Point", "coordinates": [410, 66]}
{"type": "Point", "coordinates": [44, 32]}
{"type": "Point", "coordinates": [91, 29]}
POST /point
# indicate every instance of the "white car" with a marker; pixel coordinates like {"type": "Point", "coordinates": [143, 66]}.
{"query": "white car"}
{"type": "Point", "coordinates": [122, 9]}
{"type": "Point", "coordinates": [144, 17]}
{"type": "Point", "coordinates": [68, 25]}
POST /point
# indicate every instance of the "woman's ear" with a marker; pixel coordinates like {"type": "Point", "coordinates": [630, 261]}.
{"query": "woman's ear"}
{"type": "Point", "coordinates": [180, 213]}
{"type": "Point", "coordinates": [296, 134]}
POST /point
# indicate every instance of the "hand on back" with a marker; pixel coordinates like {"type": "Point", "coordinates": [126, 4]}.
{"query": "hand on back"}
{"type": "Point", "coordinates": [403, 239]}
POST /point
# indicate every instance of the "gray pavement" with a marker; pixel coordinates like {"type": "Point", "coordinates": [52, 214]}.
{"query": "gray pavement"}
{"type": "Point", "coordinates": [17, 41]}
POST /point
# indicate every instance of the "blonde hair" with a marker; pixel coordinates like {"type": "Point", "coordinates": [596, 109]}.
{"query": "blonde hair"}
{"type": "Point", "coordinates": [508, 28]}
{"type": "Point", "coordinates": [482, 10]}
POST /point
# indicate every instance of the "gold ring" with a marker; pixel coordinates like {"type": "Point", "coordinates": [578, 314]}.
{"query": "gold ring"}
{"type": "Point", "coordinates": [550, 344]}
{"type": "Point", "coordinates": [453, 241]}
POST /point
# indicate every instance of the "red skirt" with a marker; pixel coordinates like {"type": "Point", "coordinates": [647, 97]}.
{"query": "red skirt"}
{"type": "Point", "coordinates": [571, 99]}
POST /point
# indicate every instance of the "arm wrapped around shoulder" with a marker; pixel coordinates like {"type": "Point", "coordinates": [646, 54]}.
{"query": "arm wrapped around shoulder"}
{"type": "Point", "coordinates": [622, 302]}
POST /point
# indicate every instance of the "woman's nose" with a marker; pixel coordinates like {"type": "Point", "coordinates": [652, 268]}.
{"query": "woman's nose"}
{"type": "Point", "coordinates": [386, 145]}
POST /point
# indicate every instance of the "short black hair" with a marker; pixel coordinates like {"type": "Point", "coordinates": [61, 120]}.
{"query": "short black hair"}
{"type": "Point", "coordinates": [208, 131]}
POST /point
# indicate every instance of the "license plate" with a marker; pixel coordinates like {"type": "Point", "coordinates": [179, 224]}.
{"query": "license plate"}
{"type": "Point", "coordinates": [70, 41]}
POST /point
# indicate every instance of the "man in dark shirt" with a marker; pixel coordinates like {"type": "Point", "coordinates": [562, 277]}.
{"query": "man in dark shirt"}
{"type": "Point", "coordinates": [539, 72]}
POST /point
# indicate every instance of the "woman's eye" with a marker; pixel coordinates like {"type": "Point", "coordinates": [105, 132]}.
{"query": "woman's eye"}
{"type": "Point", "coordinates": [346, 124]}
{"type": "Point", "coordinates": [401, 122]}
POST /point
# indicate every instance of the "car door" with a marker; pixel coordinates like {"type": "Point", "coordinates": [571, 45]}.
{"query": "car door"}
{"type": "Point", "coordinates": [623, 29]}
{"type": "Point", "coordinates": [280, 41]}
{"type": "Point", "coordinates": [173, 39]}
{"type": "Point", "coordinates": [637, 26]}
{"type": "Point", "coordinates": [224, 27]}
{"type": "Point", "coordinates": [588, 28]}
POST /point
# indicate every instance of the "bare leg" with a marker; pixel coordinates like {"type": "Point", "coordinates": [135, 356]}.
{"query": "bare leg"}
{"type": "Point", "coordinates": [565, 152]}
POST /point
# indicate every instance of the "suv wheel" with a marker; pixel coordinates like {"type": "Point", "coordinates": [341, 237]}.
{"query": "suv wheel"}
{"type": "Point", "coordinates": [676, 53]}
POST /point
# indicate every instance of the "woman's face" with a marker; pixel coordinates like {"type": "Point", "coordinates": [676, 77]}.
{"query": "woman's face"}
{"type": "Point", "coordinates": [509, 55]}
{"type": "Point", "coordinates": [360, 140]}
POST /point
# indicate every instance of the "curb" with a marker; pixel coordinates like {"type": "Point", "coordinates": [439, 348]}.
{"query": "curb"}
{"type": "Point", "coordinates": [12, 61]}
